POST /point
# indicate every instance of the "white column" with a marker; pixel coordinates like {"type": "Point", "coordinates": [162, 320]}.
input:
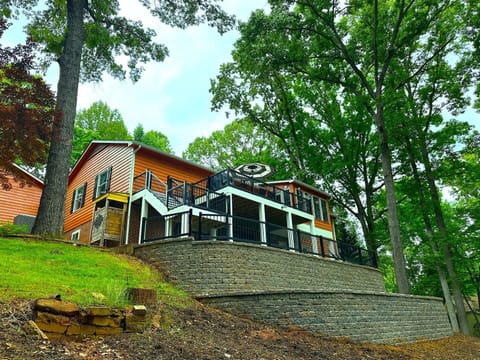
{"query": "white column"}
{"type": "Point", "coordinates": [332, 244]}
{"type": "Point", "coordinates": [185, 224]}
{"type": "Point", "coordinates": [314, 238]}
{"type": "Point", "coordinates": [230, 219]}
{"type": "Point", "coordinates": [168, 226]}
{"type": "Point", "coordinates": [291, 239]}
{"type": "Point", "coordinates": [263, 227]}
{"type": "Point", "coordinates": [143, 213]}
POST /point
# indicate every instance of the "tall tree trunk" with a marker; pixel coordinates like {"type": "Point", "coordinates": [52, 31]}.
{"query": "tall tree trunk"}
{"type": "Point", "coordinates": [52, 203]}
{"type": "Point", "coordinates": [429, 231]}
{"type": "Point", "coordinates": [392, 211]}
{"type": "Point", "coordinates": [447, 252]}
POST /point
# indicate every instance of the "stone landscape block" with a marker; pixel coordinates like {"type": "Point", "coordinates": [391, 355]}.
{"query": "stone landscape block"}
{"type": "Point", "coordinates": [105, 321]}
{"type": "Point", "coordinates": [52, 327]}
{"type": "Point", "coordinates": [81, 329]}
{"type": "Point", "coordinates": [140, 310]}
{"type": "Point", "coordinates": [56, 307]}
{"type": "Point", "coordinates": [99, 311]}
{"type": "Point", "coordinates": [31, 328]}
{"type": "Point", "coordinates": [52, 318]}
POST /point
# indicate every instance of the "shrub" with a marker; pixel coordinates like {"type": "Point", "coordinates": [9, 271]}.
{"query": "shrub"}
{"type": "Point", "coordinates": [12, 229]}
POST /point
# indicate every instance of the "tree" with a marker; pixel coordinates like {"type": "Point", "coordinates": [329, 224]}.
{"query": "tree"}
{"type": "Point", "coordinates": [240, 142]}
{"type": "Point", "coordinates": [158, 140]}
{"type": "Point", "coordinates": [357, 46]}
{"type": "Point", "coordinates": [86, 38]}
{"type": "Point", "coordinates": [152, 138]}
{"type": "Point", "coordinates": [108, 123]}
{"type": "Point", "coordinates": [98, 122]}
{"type": "Point", "coordinates": [27, 108]}
{"type": "Point", "coordinates": [331, 143]}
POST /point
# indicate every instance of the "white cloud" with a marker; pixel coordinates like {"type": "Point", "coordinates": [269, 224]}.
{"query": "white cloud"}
{"type": "Point", "coordinates": [172, 96]}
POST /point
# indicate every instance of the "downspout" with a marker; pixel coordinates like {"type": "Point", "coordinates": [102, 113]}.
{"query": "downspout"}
{"type": "Point", "coordinates": [130, 191]}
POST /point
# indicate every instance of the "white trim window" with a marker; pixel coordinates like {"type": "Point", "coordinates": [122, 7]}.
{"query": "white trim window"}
{"type": "Point", "coordinates": [102, 183]}
{"type": "Point", "coordinates": [78, 197]}
{"type": "Point", "coordinates": [323, 204]}
{"type": "Point", "coordinates": [75, 236]}
{"type": "Point", "coordinates": [320, 209]}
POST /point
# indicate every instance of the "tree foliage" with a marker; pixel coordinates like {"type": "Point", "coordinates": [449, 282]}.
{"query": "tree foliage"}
{"type": "Point", "coordinates": [98, 122]}
{"type": "Point", "coordinates": [240, 142]}
{"type": "Point", "coordinates": [153, 138]}
{"type": "Point", "coordinates": [88, 38]}
{"type": "Point", "coordinates": [370, 51]}
{"type": "Point", "coordinates": [27, 108]}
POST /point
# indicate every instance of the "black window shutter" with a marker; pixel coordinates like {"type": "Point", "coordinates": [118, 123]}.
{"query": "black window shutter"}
{"type": "Point", "coordinates": [95, 188]}
{"type": "Point", "coordinates": [109, 176]}
{"type": "Point", "coordinates": [73, 201]}
{"type": "Point", "coordinates": [84, 194]}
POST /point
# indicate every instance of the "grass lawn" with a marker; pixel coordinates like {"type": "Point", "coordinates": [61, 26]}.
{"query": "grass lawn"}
{"type": "Point", "coordinates": [32, 269]}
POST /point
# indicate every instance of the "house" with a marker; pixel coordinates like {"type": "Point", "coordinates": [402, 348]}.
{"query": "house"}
{"type": "Point", "coordinates": [21, 199]}
{"type": "Point", "coordinates": [124, 192]}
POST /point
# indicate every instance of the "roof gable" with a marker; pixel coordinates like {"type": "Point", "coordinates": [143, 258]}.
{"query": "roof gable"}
{"type": "Point", "coordinates": [96, 145]}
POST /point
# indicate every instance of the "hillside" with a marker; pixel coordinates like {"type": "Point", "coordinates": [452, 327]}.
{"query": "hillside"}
{"type": "Point", "coordinates": [181, 329]}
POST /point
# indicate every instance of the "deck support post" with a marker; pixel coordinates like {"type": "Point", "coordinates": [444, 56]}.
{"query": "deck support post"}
{"type": "Point", "coordinates": [314, 238]}
{"type": "Point", "coordinates": [263, 224]}
{"type": "Point", "coordinates": [291, 239]}
{"type": "Point", "coordinates": [143, 215]}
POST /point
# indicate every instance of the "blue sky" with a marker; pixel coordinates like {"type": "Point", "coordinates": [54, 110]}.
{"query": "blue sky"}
{"type": "Point", "coordinates": [172, 96]}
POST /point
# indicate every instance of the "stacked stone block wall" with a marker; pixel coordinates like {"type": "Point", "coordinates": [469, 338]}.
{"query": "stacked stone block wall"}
{"type": "Point", "coordinates": [55, 317]}
{"type": "Point", "coordinates": [222, 267]}
{"type": "Point", "coordinates": [290, 289]}
{"type": "Point", "coordinates": [362, 317]}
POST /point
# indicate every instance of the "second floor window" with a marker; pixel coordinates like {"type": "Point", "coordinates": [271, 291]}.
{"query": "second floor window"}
{"type": "Point", "coordinates": [320, 209]}
{"type": "Point", "coordinates": [78, 197]}
{"type": "Point", "coordinates": [102, 183]}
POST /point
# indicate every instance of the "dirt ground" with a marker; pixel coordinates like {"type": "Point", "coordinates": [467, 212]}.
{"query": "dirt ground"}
{"type": "Point", "coordinates": [203, 333]}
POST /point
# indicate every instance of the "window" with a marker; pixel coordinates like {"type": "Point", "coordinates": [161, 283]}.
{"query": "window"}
{"type": "Point", "coordinates": [323, 203]}
{"type": "Point", "coordinates": [78, 197]}
{"type": "Point", "coordinates": [316, 208]}
{"type": "Point", "coordinates": [102, 183]}
{"type": "Point", "coordinates": [75, 236]}
{"type": "Point", "coordinates": [320, 209]}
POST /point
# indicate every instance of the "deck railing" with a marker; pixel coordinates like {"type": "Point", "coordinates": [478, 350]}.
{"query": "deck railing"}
{"type": "Point", "coordinates": [239, 229]}
{"type": "Point", "coordinates": [238, 180]}
{"type": "Point", "coordinates": [175, 193]}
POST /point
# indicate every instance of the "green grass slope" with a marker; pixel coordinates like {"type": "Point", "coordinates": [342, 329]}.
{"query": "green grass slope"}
{"type": "Point", "coordinates": [32, 269]}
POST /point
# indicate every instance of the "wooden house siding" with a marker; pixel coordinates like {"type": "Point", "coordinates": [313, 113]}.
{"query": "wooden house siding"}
{"type": "Point", "coordinates": [19, 200]}
{"type": "Point", "coordinates": [119, 157]}
{"type": "Point", "coordinates": [164, 166]}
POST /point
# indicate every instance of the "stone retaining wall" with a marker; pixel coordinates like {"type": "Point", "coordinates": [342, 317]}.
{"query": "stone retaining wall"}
{"type": "Point", "coordinates": [291, 289]}
{"type": "Point", "coordinates": [56, 317]}
{"type": "Point", "coordinates": [223, 267]}
{"type": "Point", "coordinates": [362, 317]}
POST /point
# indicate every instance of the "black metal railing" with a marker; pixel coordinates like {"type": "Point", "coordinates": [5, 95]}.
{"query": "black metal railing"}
{"type": "Point", "coordinates": [204, 193]}
{"type": "Point", "coordinates": [163, 227]}
{"type": "Point", "coordinates": [197, 195]}
{"type": "Point", "coordinates": [243, 182]}
{"type": "Point", "coordinates": [241, 229]}
{"type": "Point", "coordinates": [176, 193]}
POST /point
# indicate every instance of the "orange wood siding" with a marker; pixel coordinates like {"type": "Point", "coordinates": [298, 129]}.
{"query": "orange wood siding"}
{"type": "Point", "coordinates": [163, 166]}
{"type": "Point", "coordinates": [19, 200]}
{"type": "Point", "coordinates": [119, 157]}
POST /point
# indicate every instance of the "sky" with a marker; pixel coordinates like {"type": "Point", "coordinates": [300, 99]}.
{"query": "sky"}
{"type": "Point", "coordinates": [172, 96]}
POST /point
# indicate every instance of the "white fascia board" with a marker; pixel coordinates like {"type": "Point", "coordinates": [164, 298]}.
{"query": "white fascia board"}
{"type": "Point", "coordinates": [270, 203]}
